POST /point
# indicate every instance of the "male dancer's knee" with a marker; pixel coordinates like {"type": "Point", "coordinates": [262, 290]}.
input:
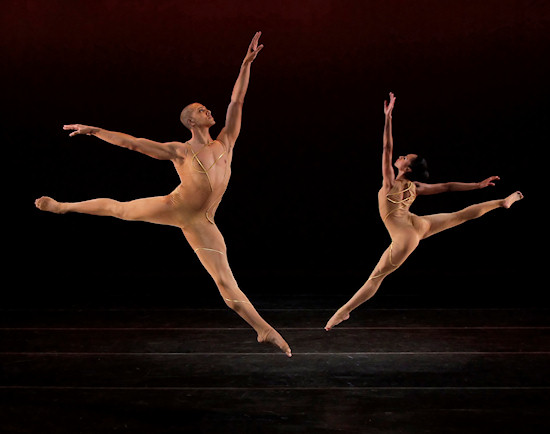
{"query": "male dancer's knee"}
{"type": "Point", "coordinates": [229, 290]}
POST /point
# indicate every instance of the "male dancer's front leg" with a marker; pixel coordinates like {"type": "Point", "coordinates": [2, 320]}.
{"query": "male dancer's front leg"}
{"type": "Point", "coordinates": [209, 245]}
{"type": "Point", "coordinates": [203, 236]}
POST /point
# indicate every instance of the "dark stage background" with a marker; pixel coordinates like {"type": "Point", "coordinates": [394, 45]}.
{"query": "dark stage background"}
{"type": "Point", "coordinates": [300, 214]}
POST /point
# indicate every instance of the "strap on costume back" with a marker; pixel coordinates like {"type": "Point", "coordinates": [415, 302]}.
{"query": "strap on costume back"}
{"type": "Point", "coordinates": [401, 192]}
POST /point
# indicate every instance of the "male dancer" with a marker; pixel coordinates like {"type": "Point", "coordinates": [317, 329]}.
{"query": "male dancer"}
{"type": "Point", "coordinates": [204, 169]}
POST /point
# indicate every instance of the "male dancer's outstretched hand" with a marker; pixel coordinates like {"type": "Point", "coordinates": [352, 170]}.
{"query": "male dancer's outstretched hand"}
{"type": "Point", "coordinates": [253, 49]}
{"type": "Point", "coordinates": [80, 129]}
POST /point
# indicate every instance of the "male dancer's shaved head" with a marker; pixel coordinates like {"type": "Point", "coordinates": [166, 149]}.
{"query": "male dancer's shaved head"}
{"type": "Point", "coordinates": [187, 114]}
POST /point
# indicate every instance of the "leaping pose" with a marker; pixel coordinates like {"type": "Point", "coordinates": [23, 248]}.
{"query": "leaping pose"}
{"type": "Point", "coordinates": [204, 168]}
{"type": "Point", "coordinates": [405, 228]}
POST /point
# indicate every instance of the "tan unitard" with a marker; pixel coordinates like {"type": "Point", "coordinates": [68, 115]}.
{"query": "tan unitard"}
{"type": "Point", "coordinates": [394, 211]}
{"type": "Point", "coordinates": [214, 198]}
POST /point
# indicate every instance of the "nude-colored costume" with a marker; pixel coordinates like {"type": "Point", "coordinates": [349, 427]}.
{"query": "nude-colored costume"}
{"type": "Point", "coordinates": [212, 200]}
{"type": "Point", "coordinates": [394, 210]}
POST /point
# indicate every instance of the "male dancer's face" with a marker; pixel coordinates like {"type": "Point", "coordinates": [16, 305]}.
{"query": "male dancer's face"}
{"type": "Point", "coordinates": [202, 116]}
{"type": "Point", "coordinates": [196, 115]}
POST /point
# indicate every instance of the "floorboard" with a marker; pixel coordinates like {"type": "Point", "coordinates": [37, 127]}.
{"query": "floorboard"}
{"type": "Point", "coordinates": [397, 366]}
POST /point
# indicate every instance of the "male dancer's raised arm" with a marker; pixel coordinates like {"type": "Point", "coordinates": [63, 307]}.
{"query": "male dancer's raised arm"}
{"type": "Point", "coordinates": [233, 117]}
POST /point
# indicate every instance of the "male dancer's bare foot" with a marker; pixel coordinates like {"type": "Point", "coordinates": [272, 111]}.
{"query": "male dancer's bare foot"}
{"type": "Point", "coordinates": [514, 197]}
{"type": "Point", "coordinates": [273, 337]}
{"type": "Point", "coordinates": [337, 318]}
{"type": "Point", "coordinates": [46, 203]}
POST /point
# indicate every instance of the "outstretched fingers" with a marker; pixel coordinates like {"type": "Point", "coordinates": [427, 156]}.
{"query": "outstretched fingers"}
{"type": "Point", "coordinates": [388, 107]}
{"type": "Point", "coordinates": [254, 43]}
{"type": "Point", "coordinates": [79, 129]}
{"type": "Point", "coordinates": [254, 48]}
{"type": "Point", "coordinates": [489, 181]}
{"type": "Point", "coordinates": [72, 127]}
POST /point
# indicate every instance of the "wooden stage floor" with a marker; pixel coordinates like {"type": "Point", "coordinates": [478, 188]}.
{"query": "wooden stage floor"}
{"type": "Point", "coordinates": [399, 365]}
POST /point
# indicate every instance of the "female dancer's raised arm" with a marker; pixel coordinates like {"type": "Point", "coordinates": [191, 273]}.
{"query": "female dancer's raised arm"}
{"type": "Point", "coordinates": [387, 152]}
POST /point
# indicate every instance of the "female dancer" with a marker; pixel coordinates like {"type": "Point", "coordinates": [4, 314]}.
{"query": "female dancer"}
{"type": "Point", "coordinates": [405, 228]}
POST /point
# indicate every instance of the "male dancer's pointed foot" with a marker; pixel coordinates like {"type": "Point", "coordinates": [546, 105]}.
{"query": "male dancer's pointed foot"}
{"type": "Point", "coordinates": [46, 203]}
{"type": "Point", "coordinates": [337, 318]}
{"type": "Point", "coordinates": [273, 337]}
{"type": "Point", "coordinates": [514, 197]}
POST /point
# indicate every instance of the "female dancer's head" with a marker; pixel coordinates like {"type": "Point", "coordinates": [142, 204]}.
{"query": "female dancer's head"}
{"type": "Point", "coordinates": [413, 166]}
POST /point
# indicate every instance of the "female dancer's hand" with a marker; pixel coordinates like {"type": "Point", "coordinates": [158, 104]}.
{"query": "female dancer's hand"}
{"type": "Point", "coordinates": [488, 182]}
{"type": "Point", "coordinates": [80, 129]}
{"type": "Point", "coordinates": [388, 108]}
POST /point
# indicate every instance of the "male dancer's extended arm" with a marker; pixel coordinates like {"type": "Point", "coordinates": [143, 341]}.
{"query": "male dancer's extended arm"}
{"type": "Point", "coordinates": [158, 150]}
{"type": "Point", "coordinates": [232, 127]}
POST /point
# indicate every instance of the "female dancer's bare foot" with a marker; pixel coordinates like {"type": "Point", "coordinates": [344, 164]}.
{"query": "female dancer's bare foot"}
{"type": "Point", "coordinates": [273, 337]}
{"type": "Point", "coordinates": [514, 197]}
{"type": "Point", "coordinates": [46, 203]}
{"type": "Point", "coordinates": [337, 318]}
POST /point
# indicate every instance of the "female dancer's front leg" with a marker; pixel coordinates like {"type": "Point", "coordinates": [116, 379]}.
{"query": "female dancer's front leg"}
{"type": "Point", "coordinates": [398, 251]}
{"type": "Point", "coordinates": [209, 245]}
{"type": "Point", "coordinates": [440, 222]}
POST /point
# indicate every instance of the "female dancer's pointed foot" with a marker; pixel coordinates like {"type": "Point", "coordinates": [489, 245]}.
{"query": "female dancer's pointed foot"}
{"type": "Point", "coordinates": [273, 337]}
{"type": "Point", "coordinates": [337, 318]}
{"type": "Point", "coordinates": [46, 203]}
{"type": "Point", "coordinates": [514, 197]}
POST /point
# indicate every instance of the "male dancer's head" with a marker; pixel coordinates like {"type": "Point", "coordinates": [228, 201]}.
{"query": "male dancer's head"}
{"type": "Point", "coordinates": [196, 116]}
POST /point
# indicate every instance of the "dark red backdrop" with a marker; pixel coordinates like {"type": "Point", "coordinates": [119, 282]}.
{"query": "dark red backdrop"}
{"type": "Point", "coordinates": [471, 83]}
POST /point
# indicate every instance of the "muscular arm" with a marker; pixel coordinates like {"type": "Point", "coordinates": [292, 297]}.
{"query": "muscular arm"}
{"type": "Point", "coordinates": [233, 117]}
{"type": "Point", "coordinates": [387, 140]}
{"type": "Point", "coordinates": [158, 150]}
{"type": "Point", "coordinates": [425, 189]}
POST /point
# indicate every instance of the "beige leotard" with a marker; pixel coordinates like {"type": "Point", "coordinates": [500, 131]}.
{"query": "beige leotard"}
{"type": "Point", "coordinates": [398, 202]}
{"type": "Point", "coordinates": [394, 209]}
{"type": "Point", "coordinates": [198, 166]}
{"type": "Point", "coordinates": [202, 169]}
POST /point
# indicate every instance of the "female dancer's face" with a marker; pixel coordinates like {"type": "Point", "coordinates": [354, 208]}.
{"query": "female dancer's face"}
{"type": "Point", "coordinates": [404, 161]}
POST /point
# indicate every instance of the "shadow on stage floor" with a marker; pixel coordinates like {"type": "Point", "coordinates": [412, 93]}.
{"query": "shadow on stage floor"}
{"type": "Point", "coordinates": [105, 359]}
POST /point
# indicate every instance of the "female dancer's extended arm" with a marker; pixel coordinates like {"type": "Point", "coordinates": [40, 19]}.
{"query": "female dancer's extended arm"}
{"type": "Point", "coordinates": [158, 150]}
{"type": "Point", "coordinates": [387, 153]}
{"type": "Point", "coordinates": [444, 187]}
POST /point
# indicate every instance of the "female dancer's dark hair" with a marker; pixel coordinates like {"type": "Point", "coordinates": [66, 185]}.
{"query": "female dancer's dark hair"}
{"type": "Point", "coordinates": [419, 170]}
